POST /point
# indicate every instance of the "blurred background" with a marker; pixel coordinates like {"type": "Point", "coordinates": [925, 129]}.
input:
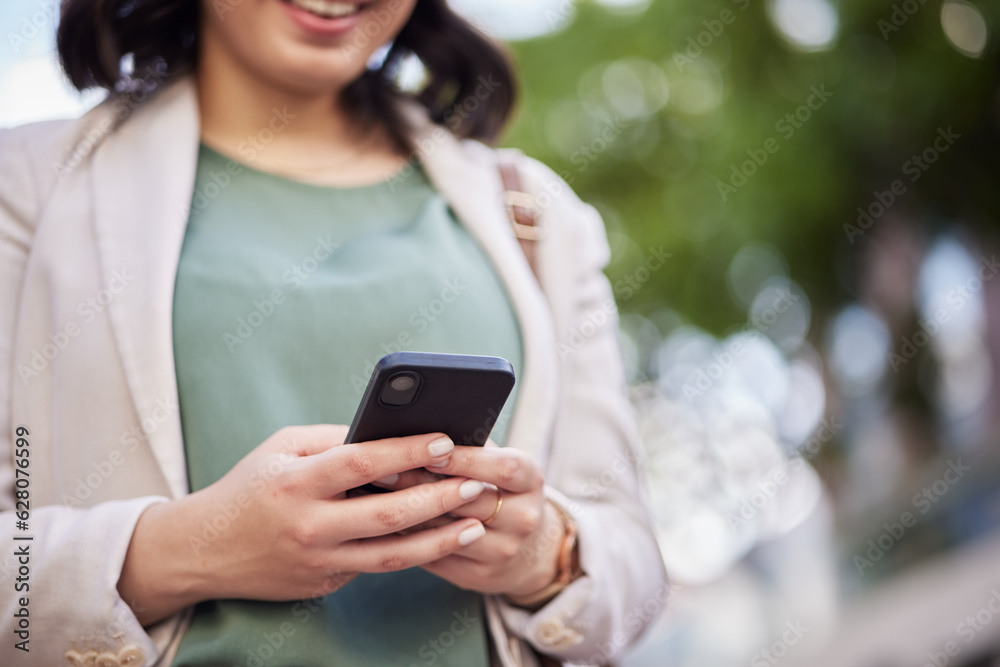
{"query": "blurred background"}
{"type": "Point", "coordinates": [802, 199]}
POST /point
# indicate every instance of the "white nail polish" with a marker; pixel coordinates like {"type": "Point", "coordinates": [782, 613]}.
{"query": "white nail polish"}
{"type": "Point", "coordinates": [439, 464]}
{"type": "Point", "coordinates": [470, 488]}
{"type": "Point", "coordinates": [471, 534]}
{"type": "Point", "coordinates": [440, 447]}
{"type": "Point", "coordinates": [388, 480]}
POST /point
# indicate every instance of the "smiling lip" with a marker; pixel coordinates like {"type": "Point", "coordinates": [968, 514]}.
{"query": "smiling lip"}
{"type": "Point", "coordinates": [324, 25]}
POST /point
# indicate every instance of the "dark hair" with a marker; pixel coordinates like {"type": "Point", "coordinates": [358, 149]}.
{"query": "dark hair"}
{"type": "Point", "coordinates": [95, 36]}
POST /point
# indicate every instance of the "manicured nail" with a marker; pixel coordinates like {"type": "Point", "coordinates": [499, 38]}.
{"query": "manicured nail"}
{"type": "Point", "coordinates": [439, 464]}
{"type": "Point", "coordinates": [470, 488]}
{"type": "Point", "coordinates": [471, 534]}
{"type": "Point", "coordinates": [388, 480]}
{"type": "Point", "coordinates": [440, 447]}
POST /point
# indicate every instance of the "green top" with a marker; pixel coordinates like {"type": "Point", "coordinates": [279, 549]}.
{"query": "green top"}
{"type": "Point", "coordinates": [287, 294]}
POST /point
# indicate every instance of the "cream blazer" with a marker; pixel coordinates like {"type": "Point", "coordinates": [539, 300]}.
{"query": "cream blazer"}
{"type": "Point", "coordinates": [92, 216]}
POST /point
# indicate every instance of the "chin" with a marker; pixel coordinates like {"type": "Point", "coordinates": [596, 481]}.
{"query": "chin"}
{"type": "Point", "coordinates": [305, 71]}
{"type": "Point", "coordinates": [308, 45]}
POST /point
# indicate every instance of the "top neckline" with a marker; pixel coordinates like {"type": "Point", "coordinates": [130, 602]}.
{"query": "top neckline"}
{"type": "Point", "coordinates": [411, 173]}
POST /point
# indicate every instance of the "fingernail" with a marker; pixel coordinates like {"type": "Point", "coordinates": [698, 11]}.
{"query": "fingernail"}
{"type": "Point", "coordinates": [388, 480]}
{"type": "Point", "coordinates": [471, 534]}
{"type": "Point", "coordinates": [470, 488]}
{"type": "Point", "coordinates": [440, 447]}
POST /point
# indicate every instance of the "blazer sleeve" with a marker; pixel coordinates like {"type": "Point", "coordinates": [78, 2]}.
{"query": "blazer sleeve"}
{"type": "Point", "coordinates": [595, 461]}
{"type": "Point", "coordinates": [59, 587]}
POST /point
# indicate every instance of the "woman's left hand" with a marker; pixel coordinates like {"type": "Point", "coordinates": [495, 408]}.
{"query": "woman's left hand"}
{"type": "Point", "coordinates": [520, 551]}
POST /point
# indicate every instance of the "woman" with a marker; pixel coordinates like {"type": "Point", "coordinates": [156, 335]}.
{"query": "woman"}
{"type": "Point", "coordinates": [196, 276]}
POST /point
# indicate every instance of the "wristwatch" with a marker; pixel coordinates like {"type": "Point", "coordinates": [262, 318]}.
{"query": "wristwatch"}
{"type": "Point", "coordinates": [569, 566]}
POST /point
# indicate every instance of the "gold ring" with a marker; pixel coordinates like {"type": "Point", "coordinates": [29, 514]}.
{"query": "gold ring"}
{"type": "Point", "coordinates": [496, 510]}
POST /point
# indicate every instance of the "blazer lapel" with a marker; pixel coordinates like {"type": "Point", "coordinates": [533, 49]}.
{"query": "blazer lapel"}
{"type": "Point", "coordinates": [143, 177]}
{"type": "Point", "coordinates": [474, 191]}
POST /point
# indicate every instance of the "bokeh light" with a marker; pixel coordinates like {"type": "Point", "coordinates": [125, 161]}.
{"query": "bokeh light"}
{"type": "Point", "coordinates": [808, 25]}
{"type": "Point", "coordinates": [858, 349]}
{"type": "Point", "coordinates": [965, 27]}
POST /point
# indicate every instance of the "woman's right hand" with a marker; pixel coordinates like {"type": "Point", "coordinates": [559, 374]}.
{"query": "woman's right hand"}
{"type": "Point", "coordinates": [279, 526]}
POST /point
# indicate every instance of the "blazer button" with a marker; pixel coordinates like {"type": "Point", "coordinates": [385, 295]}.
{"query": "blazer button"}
{"type": "Point", "coordinates": [570, 637]}
{"type": "Point", "coordinates": [107, 659]}
{"type": "Point", "coordinates": [550, 631]}
{"type": "Point", "coordinates": [78, 659]}
{"type": "Point", "coordinates": [555, 633]}
{"type": "Point", "coordinates": [131, 656]}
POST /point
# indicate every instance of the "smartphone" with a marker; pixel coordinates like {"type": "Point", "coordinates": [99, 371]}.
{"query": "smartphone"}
{"type": "Point", "coordinates": [460, 395]}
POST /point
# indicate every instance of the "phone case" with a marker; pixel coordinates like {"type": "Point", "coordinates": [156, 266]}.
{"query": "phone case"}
{"type": "Point", "coordinates": [460, 395]}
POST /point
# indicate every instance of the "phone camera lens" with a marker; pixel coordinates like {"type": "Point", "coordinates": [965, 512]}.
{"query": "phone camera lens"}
{"type": "Point", "coordinates": [400, 389]}
{"type": "Point", "coordinates": [402, 382]}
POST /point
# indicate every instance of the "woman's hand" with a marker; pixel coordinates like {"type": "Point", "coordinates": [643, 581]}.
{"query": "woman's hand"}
{"type": "Point", "coordinates": [519, 554]}
{"type": "Point", "coordinates": [279, 526]}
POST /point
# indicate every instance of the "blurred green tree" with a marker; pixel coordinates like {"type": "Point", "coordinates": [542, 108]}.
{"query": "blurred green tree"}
{"type": "Point", "coordinates": [730, 81]}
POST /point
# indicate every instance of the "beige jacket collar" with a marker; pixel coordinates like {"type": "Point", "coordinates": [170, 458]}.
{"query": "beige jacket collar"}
{"type": "Point", "coordinates": [140, 229]}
